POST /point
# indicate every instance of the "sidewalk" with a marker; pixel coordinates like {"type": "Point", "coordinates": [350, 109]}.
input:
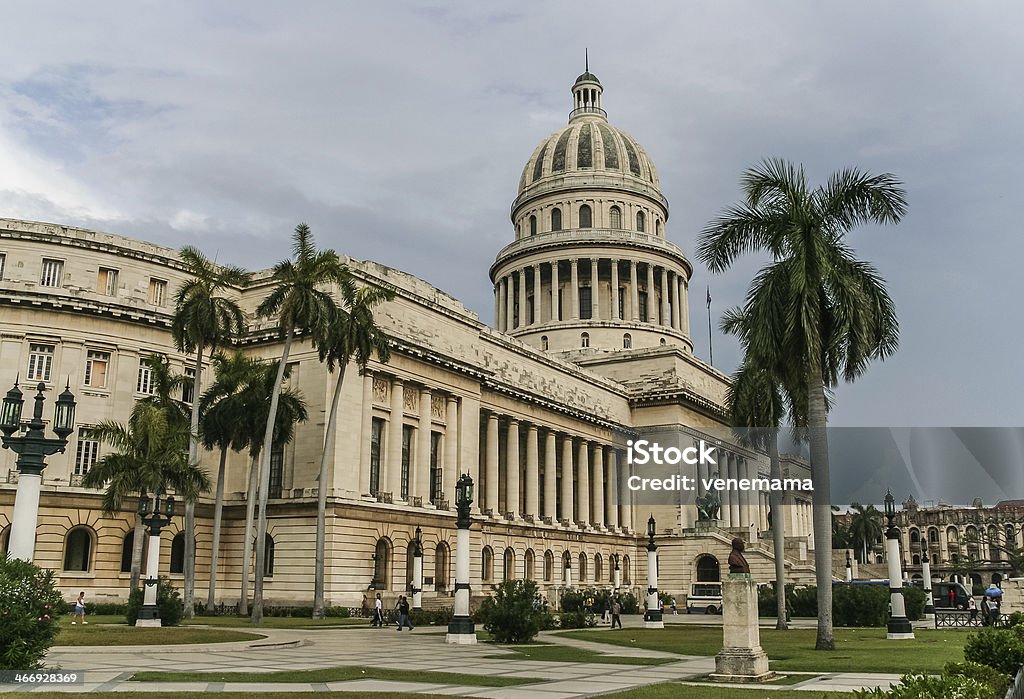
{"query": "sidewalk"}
{"type": "Point", "coordinates": [109, 669]}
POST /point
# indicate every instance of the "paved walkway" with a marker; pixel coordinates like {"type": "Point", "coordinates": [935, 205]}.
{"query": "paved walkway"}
{"type": "Point", "coordinates": [109, 668]}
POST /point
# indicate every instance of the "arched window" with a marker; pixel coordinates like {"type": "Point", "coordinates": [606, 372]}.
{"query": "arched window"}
{"type": "Point", "coordinates": [708, 569]}
{"type": "Point", "coordinates": [487, 564]}
{"type": "Point", "coordinates": [615, 217]}
{"type": "Point", "coordinates": [178, 554]}
{"type": "Point", "coordinates": [915, 560]}
{"type": "Point", "coordinates": [509, 572]}
{"type": "Point", "coordinates": [127, 549]}
{"type": "Point", "coordinates": [935, 558]}
{"type": "Point", "coordinates": [78, 550]}
{"type": "Point", "coordinates": [971, 536]}
{"type": "Point", "coordinates": [566, 562]}
{"type": "Point", "coordinates": [1011, 537]}
{"type": "Point", "coordinates": [533, 225]}
{"type": "Point", "coordinates": [583, 567]}
{"type": "Point", "coordinates": [658, 230]}
{"type": "Point", "coordinates": [641, 221]}
{"type": "Point", "coordinates": [995, 549]}
{"type": "Point", "coordinates": [528, 562]}
{"type": "Point", "coordinates": [585, 340]}
{"type": "Point", "coordinates": [933, 535]}
{"type": "Point", "coordinates": [626, 575]}
{"type": "Point", "coordinates": [382, 564]}
{"type": "Point", "coordinates": [556, 219]}
{"type": "Point", "coordinates": [268, 556]}
{"type": "Point", "coordinates": [915, 536]}
{"type": "Point", "coordinates": [549, 566]}
{"type": "Point", "coordinates": [5, 540]}
{"type": "Point", "coordinates": [441, 566]}
{"type": "Point", "coordinates": [544, 342]}
{"type": "Point", "coordinates": [586, 217]}
{"type": "Point", "coordinates": [598, 567]}
{"type": "Point", "coordinates": [627, 341]}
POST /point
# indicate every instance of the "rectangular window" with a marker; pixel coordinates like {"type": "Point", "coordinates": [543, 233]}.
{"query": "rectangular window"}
{"type": "Point", "coordinates": [53, 273]}
{"type": "Point", "coordinates": [561, 305]}
{"type": "Point", "coordinates": [530, 310]}
{"type": "Point", "coordinates": [642, 303]}
{"type": "Point", "coordinates": [157, 292]}
{"type": "Point", "coordinates": [188, 387]}
{"type": "Point", "coordinates": [436, 489]}
{"type": "Point", "coordinates": [407, 432]}
{"type": "Point", "coordinates": [585, 307]}
{"type": "Point", "coordinates": [276, 472]}
{"type": "Point", "coordinates": [145, 382]}
{"type": "Point", "coordinates": [622, 303]}
{"type": "Point", "coordinates": [40, 362]}
{"type": "Point", "coordinates": [96, 365]}
{"type": "Point", "coordinates": [87, 453]}
{"type": "Point", "coordinates": [376, 435]}
{"type": "Point", "coordinates": [3, 260]}
{"type": "Point", "coordinates": [106, 282]}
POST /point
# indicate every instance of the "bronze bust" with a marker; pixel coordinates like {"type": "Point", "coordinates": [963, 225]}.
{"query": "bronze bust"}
{"type": "Point", "coordinates": [737, 561]}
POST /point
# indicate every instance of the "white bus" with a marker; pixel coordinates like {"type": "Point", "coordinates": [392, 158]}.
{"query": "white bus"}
{"type": "Point", "coordinates": [704, 597]}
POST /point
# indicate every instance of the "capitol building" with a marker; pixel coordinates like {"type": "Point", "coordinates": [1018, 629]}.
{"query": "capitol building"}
{"type": "Point", "coordinates": [590, 346]}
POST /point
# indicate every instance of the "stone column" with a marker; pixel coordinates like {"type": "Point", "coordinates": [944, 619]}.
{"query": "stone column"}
{"type": "Point", "coordinates": [634, 291]}
{"type": "Point", "coordinates": [674, 286]}
{"type": "Point", "coordinates": [510, 309]}
{"type": "Point", "coordinates": [535, 273]}
{"type": "Point", "coordinates": [611, 508]}
{"type": "Point", "coordinates": [393, 462]}
{"type": "Point", "coordinates": [512, 469]}
{"type": "Point", "coordinates": [665, 319]}
{"type": "Point", "coordinates": [583, 478]}
{"type": "Point", "coordinates": [625, 495]}
{"type": "Point", "coordinates": [450, 466]}
{"type": "Point", "coordinates": [734, 495]}
{"type": "Point", "coordinates": [366, 431]}
{"type": "Point", "coordinates": [150, 584]}
{"type": "Point", "coordinates": [899, 626]}
{"type": "Point", "coordinates": [532, 472]}
{"type": "Point", "coordinates": [22, 541]}
{"type": "Point", "coordinates": [550, 471]}
{"type": "Point", "coordinates": [497, 305]}
{"type": "Point", "coordinates": [746, 509]}
{"type": "Point", "coordinates": [554, 290]}
{"type": "Point", "coordinates": [725, 496]}
{"type": "Point", "coordinates": [419, 474]}
{"type": "Point", "coordinates": [595, 304]}
{"type": "Point", "coordinates": [567, 485]}
{"type": "Point", "coordinates": [650, 293]}
{"type": "Point", "coordinates": [469, 448]}
{"type": "Point", "coordinates": [523, 317]}
{"type": "Point", "coordinates": [599, 520]}
{"type": "Point", "coordinates": [574, 281]}
{"type": "Point", "coordinates": [491, 465]}
{"type": "Point", "coordinates": [615, 290]}
{"type": "Point", "coordinates": [684, 306]}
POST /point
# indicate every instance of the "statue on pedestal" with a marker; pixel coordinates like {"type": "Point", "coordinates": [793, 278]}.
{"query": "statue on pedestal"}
{"type": "Point", "coordinates": [737, 561]}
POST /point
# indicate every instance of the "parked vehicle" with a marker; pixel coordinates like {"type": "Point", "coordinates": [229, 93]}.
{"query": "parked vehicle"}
{"type": "Point", "coordinates": [704, 597]}
{"type": "Point", "coordinates": [950, 595]}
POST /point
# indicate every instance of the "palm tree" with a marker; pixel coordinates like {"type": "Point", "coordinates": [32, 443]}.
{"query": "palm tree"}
{"type": "Point", "coordinates": [149, 457]}
{"type": "Point", "coordinates": [223, 414]}
{"type": "Point", "coordinates": [351, 336]}
{"type": "Point", "coordinates": [815, 310]}
{"type": "Point", "coordinates": [865, 527]}
{"type": "Point", "coordinates": [301, 304]}
{"type": "Point", "coordinates": [203, 319]}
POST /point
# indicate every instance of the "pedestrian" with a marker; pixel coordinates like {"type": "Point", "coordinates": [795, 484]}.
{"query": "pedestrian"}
{"type": "Point", "coordinates": [675, 609]}
{"type": "Point", "coordinates": [995, 610]}
{"type": "Point", "coordinates": [986, 614]}
{"type": "Point", "coordinates": [616, 611]}
{"type": "Point", "coordinates": [378, 613]}
{"type": "Point", "coordinates": [80, 609]}
{"type": "Point", "coordinates": [403, 613]}
{"type": "Point", "coordinates": [972, 605]}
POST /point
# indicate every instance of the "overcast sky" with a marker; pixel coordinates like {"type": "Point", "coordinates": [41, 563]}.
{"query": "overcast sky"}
{"type": "Point", "coordinates": [398, 131]}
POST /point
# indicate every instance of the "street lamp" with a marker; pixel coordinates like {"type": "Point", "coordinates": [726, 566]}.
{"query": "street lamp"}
{"type": "Point", "coordinates": [461, 629]}
{"type": "Point", "coordinates": [899, 626]}
{"type": "Point", "coordinates": [618, 572]}
{"type": "Point", "coordinates": [417, 570]}
{"type": "Point", "coordinates": [926, 573]}
{"type": "Point", "coordinates": [32, 448]}
{"type": "Point", "coordinates": [652, 617]}
{"type": "Point", "coordinates": [849, 567]}
{"type": "Point", "coordinates": [156, 517]}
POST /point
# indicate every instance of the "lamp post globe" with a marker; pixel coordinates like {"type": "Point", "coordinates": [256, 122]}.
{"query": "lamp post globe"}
{"type": "Point", "coordinates": [32, 447]}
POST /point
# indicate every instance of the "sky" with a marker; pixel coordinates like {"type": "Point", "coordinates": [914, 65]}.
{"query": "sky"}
{"type": "Point", "coordinates": [398, 132]}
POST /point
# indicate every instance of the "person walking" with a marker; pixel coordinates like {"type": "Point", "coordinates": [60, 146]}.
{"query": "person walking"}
{"type": "Point", "coordinates": [972, 605]}
{"type": "Point", "coordinates": [403, 613]}
{"type": "Point", "coordinates": [80, 609]}
{"type": "Point", "coordinates": [675, 609]}
{"type": "Point", "coordinates": [378, 613]}
{"type": "Point", "coordinates": [616, 611]}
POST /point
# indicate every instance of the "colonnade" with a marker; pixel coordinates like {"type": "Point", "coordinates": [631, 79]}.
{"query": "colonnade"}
{"type": "Point", "coordinates": [550, 290]}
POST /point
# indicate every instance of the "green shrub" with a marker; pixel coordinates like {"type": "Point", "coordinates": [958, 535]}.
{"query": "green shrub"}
{"type": "Point", "coordinates": [28, 603]}
{"type": "Point", "coordinates": [576, 620]}
{"type": "Point", "coordinates": [1002, 649]}
{"type": "Point", "coordinates": [630, 604]}
{"type": "Point", "coordinates": [860, 605]}
{"type": "Point", "coordinates": [337, 612]}
{"type": "Point", "coordinates": [925, 687]}
{"type": "Point", "coordinates": [167, 600]}
{"type": "Point", "coordinates": [112, 608]}
{"type": "Point", "coordinates": [1015, 619]}
{"type": "Point", "coordinates": [802, 601]}
{"type": "Point", "coordinates": [571, 601]}
{"type": "Point", "coordinates": [914, 598]}
{"type": "Point", "coordinates": [513, 614]}
{"type": "Point", "coordinates": [996, 680]}
{"type": "Point", "coordinates": [429, 617]}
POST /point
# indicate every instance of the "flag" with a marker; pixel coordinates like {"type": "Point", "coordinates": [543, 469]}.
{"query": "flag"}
{"type": "Point", "coordinates": [709, 297]}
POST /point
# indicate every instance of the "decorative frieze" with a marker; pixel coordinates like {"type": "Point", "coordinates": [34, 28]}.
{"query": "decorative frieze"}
{"type": "Point", "coordinates": [381, 390]}
{"type": "Point", "coordinates": [437, 406]}
{"type": "Point", "coordinates": [411, 399]}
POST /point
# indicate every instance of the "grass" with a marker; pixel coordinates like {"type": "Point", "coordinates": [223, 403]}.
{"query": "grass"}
{"type": "Point", "coordinates": [857, 650]}
{"type": "Point", "coordinates": [568, 654]}
{"type": "Point", "coordinates": [247, 695]}
{"type": "Point", "coordinates": [124, 635]}
{"type": "Point", "coordinates": [336, 674]}
{"type": "Point", "coordinates": [272, 622]}
{"type": "Point", "coordinates": [674, 690]}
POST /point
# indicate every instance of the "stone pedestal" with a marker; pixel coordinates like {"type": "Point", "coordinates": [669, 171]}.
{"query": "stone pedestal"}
{"type": "Point", "coordinates": [741, 658]}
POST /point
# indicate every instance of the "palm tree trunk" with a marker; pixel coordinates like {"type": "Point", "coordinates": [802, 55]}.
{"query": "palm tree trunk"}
{"type": "Point", "coordinates": [190, 505]}
{"type": "Point", "coordinates": [250, 512]}
{"type": "Point", "coordinates": [268, 447]}
{"type": "Point", "coordinates": [778, 534]}
{"type": "Point", "coordinates": [321, 499]}
{"type": "Point", "coordinates": [218, 511]}
{"type": "Point", "coordinates": [822, 501]}
{"type": "Point", "coordinates": [138, 541]}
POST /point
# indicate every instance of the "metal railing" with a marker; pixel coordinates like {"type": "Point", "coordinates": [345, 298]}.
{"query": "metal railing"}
{"type": "Point", "coordinates": [963, 619]}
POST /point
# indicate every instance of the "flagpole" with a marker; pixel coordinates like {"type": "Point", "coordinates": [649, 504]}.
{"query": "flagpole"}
{"type": "Point", "coordinates": [711, 344]}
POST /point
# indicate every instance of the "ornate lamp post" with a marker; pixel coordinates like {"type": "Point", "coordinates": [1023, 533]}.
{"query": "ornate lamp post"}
{"type": "Point", "coordinates": [926, 573]}
{"type": "Point", "coordinates": [156, 519]}
{"type": "Point", "coordinates": [899, 626]}
{"type": "Point", "coordinates": [617, 572]}
{"type": "Point", "coordinates": [417, 570]}
{"type": "Point", "coordinates": [461, 629]}
{"type": "Point", "coordinates": [32, 448]}
{"type": "Point", "coordinates": [652, 618]}
{"type": "Point", "coordinates": [567, 571]}
{"type": "Point", "coordinates": [849, 567]}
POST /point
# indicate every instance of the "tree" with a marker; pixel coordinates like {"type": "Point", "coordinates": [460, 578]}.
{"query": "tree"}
{"type": "Point", "coordinates": [815, 310]}
{"type": "Point", "coordinates": [351, 336]}
{"type": "Point", "coordinates": [203, 319]}
{"type": "Point", "coordinates": [865, 528]}
{"type": "Point", "coordinates": [300, 303]}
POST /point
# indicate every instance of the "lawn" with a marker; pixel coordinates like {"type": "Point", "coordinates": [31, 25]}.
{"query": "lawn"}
{"type": "Point", "coordinates": [272, 622]}
{"type": "Point", "coordinates": [124, 635]}
{"type": "Point", "coordinates": [857, 650]}
{"type": "Point", "coordinates": [248, 695]}
{"type": "Point", "coordinates": [568, 654]}
{"type": "Point", "coordinates": [672, 690]}
{"type": "Point", "coordinates": [335, 674]}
